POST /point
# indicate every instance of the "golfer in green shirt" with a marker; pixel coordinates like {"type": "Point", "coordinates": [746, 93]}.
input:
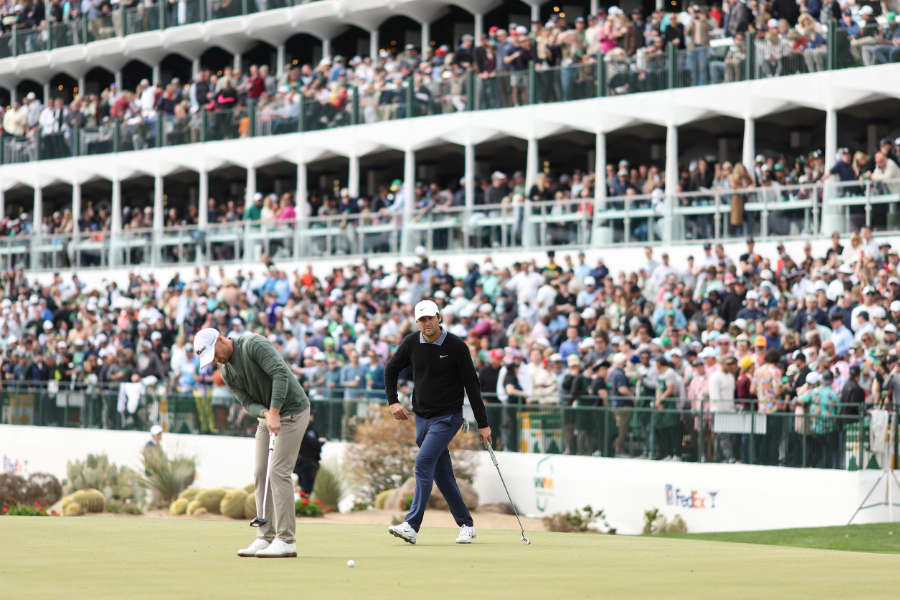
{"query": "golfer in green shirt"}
{"type": "Point", "coordinates": [260, 380]}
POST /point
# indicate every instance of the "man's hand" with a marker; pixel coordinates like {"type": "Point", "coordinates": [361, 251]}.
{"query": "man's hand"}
{"type": "Point", "coordinates": [273, 421]}
{"type": "Point", "coordinates": [399, 412]}
{"type": "Point", "coordinates": [485, 434]}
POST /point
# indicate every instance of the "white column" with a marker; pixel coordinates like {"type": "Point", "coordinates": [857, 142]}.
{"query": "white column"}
{"type": "Point", "coordinates": [426, 36]}
{"type": "Point", "coordinates": [353, 176]}
{"type": "Point", "coordinates": [13, 94]}
{"type": "Point", "coordinates": [602, 233]}
{"type": "Point", "coordinates": [469, 174]}
{"type": "Point", "coordinates": [158, 203]}
{"type": "Point", "coordinates": [203, 199]}
{"type": "Point", "coordinates": [479, 28]}
{"type": "Point", "coordinates": [831, 140]}
{"type": "Point", "coordinates": [373, 44]}
{"type": "Point", "coordinates": [76, 207]}
{"type": "Point", "coordinates": [156, 74]}
{"type": "Point", "coordinates": [47, 92]}
{"type": "Point", "coordinates": [831, 214]}
{"type": "Point", "coordinates": [115, 210]}
{"type": "Point", "coordinates": [301, 198]}
{"type": "Point", "coordinates": [119, 81]}
{"type": "Point", "coordinates": [409, 199]}
{"type": "Point", "coordinates": [3, 206]}
{"type": "Point", "coordinates": [236, 62]}
{"type": "Point", "coordinates": [326, 48]}
{"type": "Point", "coordinates": [195, 68]}
{"type": "Point", "coordinates": [536, 11]}
{"type": "Point", "coordinates": [748, 153]}
{"type": "Point", "coordinates": [671, 181]}
{"type": "Point", "coordinates": [251, 186]}
{"type": "Point", "coordinates": [38, 209]}
{"type": "Point", "coordinates": [279, 60]}
{"type": "Point", "coordinates": [531, 163]}
{"type": "Point", "coordinates": [82, 86]}
{"type": "Point", "coordinates": [595, 6]}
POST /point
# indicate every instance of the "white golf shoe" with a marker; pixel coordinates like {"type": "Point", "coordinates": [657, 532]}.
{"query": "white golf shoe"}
{"type": "Point", "coordinates": [404, 531]}
{"type": "Point", "coordinates": [466, 535]}
{"type": "Point", "coordinates": [251, 550]}
{"type": "Point", "coordinates": [278, 549]}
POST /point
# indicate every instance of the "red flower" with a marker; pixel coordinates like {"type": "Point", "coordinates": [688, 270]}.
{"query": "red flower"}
{"type": "Point", "coordinates": [304, 495]}
{"type": "Point", "coordinates": [5, 510]}
{"type": "Point", "coordinates": [53, 512]}
{"type": "Point", "coordinates": [304, 501]}
{"type": "Point", "coordinates": [46, 503]}
{"type": "Point", "coordinates": [319, 502]}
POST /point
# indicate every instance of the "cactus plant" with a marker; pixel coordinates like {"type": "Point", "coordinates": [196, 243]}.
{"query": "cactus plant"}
{"type": "Point", "coordinates": [73, 509]}
{"type": "Point", "coordinates": [232, 505]}
{"type": "Point", "coordinates": [65, 501]}
{"type": "Point", "coordinates": [249, 488]}
{"type": "Point", "coordinates": [93, 501]}
{"type": "Point", "coordinates": [96, 472]}
{"type": "Point", "coordinates": [381, 498]}
{"type": "Point", "coordinates": [189, 494]}
{"type": "Point", "coordinates": [250, 506]}
{"type": "Point", "coordinates": [192, 507]}
{"type": "Point", "coordinates": [200, 511]}
{"type": "Point", "coordinates": [210, 499]}
{"type": "Point", "coordinates": [178, 507]}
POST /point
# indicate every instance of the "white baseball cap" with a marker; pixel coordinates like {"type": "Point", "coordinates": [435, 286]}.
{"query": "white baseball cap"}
{"type": "Point", "coordinates": [426, 308]}
{"type": "Point", "coordinates": [205, 345]}
{"type": "Point", "coordinates": [156, 430]}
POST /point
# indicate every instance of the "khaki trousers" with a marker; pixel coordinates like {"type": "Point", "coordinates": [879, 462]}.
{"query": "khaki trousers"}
{"type": "Point", "coordinates": [282, 521]}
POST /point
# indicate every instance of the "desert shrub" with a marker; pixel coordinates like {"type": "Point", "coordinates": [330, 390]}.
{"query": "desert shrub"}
{"type": "Point", "coordinates": [328, 486]}
{"type": "Point", "coordinates": [122, 508]}
{"type": "Point", "coordinates": [232, 504]}
{"type": "Point", "coordinates": [178, 507]}
{"type": "Point", "coordinates": [580, 520]}
{"type": "Point", "coordinates": [192, 507]}
{"type": "Point", "coordinates": [655, 523]}
{"type": "Point", "coordinates": [211, 499]}
{"type": "Point", "coordinates": [304, 507]}
{"type": "Point", "coordinates": [43, 488]}
{"type": "Point", "coordinates": [167, 477]}
{"type": "Point", "coordinates": [189, 494]}
{"type": "Point", "coordinates": [92, 501]}
{"type": "Point", "coordinates": [385, 452]}
{"type": "Point", "coordinates": [407, 502]}
{"type": "Point", "coordinates": [12, 489]}
{"type": "Point", "coordinates": [250, 506]}
{"type": "Point", "coordinates": [249, 488]}
{"type": "Point", "coordinates": [73, 509]}
{"type": "Point", "coordinates": [96, 472]}
{"type": "Point", "coordinates": [200, 511]}
{"type": "Point", "coordinates": [381, 497]}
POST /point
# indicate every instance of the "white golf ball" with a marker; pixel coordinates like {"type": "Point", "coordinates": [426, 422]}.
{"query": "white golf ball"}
{"type": "Point", "coordinates": [351, 563]}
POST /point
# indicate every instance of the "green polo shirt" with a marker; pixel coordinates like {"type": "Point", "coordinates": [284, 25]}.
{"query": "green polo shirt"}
{"type": "Point", "coordinates": [260, 379]}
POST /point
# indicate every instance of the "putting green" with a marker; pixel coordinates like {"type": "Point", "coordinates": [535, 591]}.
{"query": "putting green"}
{"type": "Point", "coordinates": [127, 557]}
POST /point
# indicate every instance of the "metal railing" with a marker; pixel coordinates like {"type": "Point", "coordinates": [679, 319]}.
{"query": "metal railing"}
{"type": "Point", "coordinates": [801, 436]}
{"type": "Point", "coordinates": [766, 212]}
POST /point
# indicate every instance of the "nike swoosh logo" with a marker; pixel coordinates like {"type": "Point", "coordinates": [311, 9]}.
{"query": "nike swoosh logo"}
{"type": "Point", "coordinates": [444, 355]}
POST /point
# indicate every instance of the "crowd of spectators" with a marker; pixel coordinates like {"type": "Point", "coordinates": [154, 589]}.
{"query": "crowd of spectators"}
{"type": "Point", "coordinates": [811, 334]}
{"type": "Point", "coordinates": [790, 39]}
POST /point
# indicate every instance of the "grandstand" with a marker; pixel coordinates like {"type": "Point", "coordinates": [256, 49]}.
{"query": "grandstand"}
{"type": "Point", "coordinates": [609, 203]}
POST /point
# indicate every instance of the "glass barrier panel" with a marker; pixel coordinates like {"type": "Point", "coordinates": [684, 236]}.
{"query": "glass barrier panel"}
{"type": "Point", "coordinates": [103, 28]}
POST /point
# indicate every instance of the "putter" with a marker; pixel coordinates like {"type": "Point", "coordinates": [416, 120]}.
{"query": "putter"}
{"type": "Point", "coordinates": [525, 540]}
{"type": "Point", "coordinates": [260, 521]}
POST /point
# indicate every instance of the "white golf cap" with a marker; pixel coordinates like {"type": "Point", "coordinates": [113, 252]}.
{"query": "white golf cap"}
{"type": "Point", "coordinates": [426, 308]}
{"type": "Point", "coordinates": [156, 430]}
{"type": "Point", "coordinates": [205, 345]}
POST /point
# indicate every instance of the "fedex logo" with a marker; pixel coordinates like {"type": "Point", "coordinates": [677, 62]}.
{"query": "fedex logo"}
{"type": "Point", "coordinates": [689, 498]}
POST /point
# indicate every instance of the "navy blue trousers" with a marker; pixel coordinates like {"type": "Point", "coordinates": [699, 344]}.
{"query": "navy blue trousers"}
{"type": "Point", "coordinates": [433, 465]}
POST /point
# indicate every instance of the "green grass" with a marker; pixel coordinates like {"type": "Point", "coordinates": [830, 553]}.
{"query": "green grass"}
{"type": "Point", "coordinates": [874, 537]}
{"type": "Point", "coordinates": [132, 557]}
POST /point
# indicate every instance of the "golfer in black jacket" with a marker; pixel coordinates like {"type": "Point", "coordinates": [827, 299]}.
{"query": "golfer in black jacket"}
{"type": "Point", "coordinates": [442, 370]}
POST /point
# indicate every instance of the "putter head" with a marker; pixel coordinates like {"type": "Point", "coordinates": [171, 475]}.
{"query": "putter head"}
{"type": "Point", "coordinates": [258, 522]}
